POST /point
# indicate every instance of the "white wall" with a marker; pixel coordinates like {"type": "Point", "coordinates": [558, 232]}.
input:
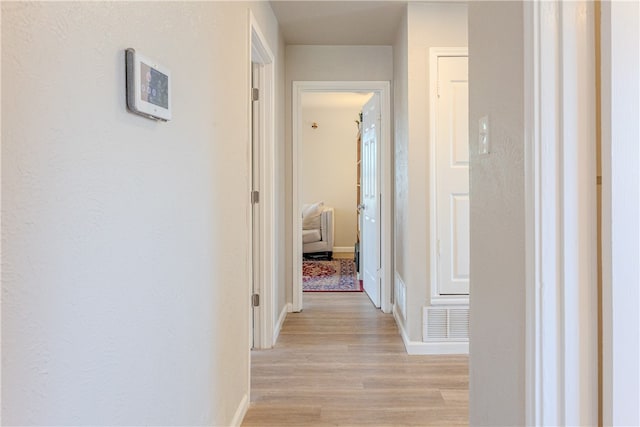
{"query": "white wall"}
{"type": "Point", "coordinates": [497, 299]}
{"type": "Point", "coordinates": [329, 161]}
{"type": "Point", "coordinates": [281, 167]}
{"type": "Point", "coordinates": [325, 63]}
{"type": "Point", "coordinates": [621, 212]}
{"type": "Point", "coordinates": [428, 25]}
{"type": "Point", "coordinates": [401, 141]}
{"type": "Point", "coordinates": [125, 241]}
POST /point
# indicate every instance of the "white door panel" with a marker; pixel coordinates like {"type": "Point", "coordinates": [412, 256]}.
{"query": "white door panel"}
{"type": "Point", "coordinates": [452, 176]}
{"type": "Point", "coordinates": [460, 237]}
{"type": "Point", "coordinates": [370, 235]}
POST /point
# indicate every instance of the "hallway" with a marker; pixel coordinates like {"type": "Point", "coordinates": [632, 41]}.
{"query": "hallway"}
{"type": "Point", "coordinates": [342, 362]}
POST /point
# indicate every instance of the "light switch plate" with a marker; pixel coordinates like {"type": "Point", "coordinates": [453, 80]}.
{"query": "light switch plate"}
{"type": "Point", "coordinates": [483, 135]}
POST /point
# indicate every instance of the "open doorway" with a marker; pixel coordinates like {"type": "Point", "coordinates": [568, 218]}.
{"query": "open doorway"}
{"type": "Point", "coordinates": [330, 166]}
{"type": "Point", "coordinates": [311, 189]}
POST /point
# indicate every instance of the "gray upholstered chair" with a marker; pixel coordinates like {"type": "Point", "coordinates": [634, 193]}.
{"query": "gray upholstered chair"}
{"type": "Point", "coordinates": [318, 234]}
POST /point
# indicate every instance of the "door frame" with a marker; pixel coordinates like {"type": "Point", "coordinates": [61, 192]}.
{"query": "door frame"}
{"type": "Point", "coordinates": [383, 89]}
{"type": "Point", "coordinates": [261, 53]}
{"type": "Point", "coordinates": [434, 54]}
{"type": "Point", "coordinates": [561, 367]}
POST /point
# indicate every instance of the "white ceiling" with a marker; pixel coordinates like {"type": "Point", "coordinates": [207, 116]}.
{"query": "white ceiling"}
{"type": "Point", "coordinates": [339, 22]}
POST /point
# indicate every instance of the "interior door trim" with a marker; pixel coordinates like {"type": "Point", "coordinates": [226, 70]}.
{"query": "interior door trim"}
{"type": "Point", "coordinates": [383, 89]}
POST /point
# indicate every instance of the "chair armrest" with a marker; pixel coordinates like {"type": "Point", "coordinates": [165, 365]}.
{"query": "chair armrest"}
{"type": "Point", "coordinates": [326, 227]}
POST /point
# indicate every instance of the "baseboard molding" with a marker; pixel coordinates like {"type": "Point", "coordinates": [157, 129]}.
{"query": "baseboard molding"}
{"type": "Point", "coordinates": [283, 315]}
{"type": "Point", "coordinates": [241, 411]}
{"type": "Point", "coordinates": [400, 297]}
{"type": "Point", "coordinates": [426, 348]}
{"type": "Point", "coordinates": [343, 249]}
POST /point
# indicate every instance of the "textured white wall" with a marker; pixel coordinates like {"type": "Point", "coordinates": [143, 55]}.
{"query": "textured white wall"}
{"type": "Point", "coordinates": [401, 159]}
{"type": "Point", "coordinates": [428, 25]}
{"type": "Point", "coordinates": [497, 299]}
{"type": "Point", "coordinates": [125, 241]}
{"type": "Point", "coordinates": [325, 63]}
{"type": "Point", "coordinates": [621, 212]}
{"type": "Point", "coordinates": [329, 160]}
{"type": "Point", "coordinates": [281, 167]}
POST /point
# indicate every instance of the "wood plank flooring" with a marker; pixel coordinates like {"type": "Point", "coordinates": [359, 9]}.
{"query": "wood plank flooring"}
{"type": "Point", "coordinates": [341, 362]}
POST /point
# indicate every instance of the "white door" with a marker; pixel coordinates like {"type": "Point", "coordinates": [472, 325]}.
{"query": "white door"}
{"type": "Point", "coordinates": [452, 176]}
{"type": "Point", "coordinates": [370, 193]}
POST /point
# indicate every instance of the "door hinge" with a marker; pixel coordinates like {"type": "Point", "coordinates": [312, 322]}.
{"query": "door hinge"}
{"type": "Point", "coordinates": [255, 300]}
{"type": "Point", "coordinates": [255, 94]}
{"type": "Point", "coordinates": [255, 197]}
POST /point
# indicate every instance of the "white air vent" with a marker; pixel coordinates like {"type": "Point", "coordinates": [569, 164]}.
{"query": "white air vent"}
{"type": "Point", "coordinates": [446, 324]}
{"type": "Point", "coordinates": [436, 324]}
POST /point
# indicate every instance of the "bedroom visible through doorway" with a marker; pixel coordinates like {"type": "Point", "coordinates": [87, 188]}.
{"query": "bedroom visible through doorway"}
{"type": "Point", "coordinates": [328, 147]}
{"type": "Point", "coordinates": [330, 189]}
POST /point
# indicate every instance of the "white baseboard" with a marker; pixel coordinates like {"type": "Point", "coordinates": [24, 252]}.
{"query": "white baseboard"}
{"type": "Point", "coordinates": [426, 348]}
{"type": "Point", "coordinates": [283, 315]}
{"type": "Point", "coordinates": [400, 298]}
{"type": "Point", "coordinates": [343, 249]}
{"type": "Point", "coordinates": [241, 411]}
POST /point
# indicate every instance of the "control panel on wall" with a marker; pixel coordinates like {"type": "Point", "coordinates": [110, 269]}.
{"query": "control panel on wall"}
{"type": "Point", "coordinates": [148, 87]}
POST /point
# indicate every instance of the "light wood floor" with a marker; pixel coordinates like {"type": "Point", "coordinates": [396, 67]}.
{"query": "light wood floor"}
{"type": "Point", "coordinates": [341, 362]}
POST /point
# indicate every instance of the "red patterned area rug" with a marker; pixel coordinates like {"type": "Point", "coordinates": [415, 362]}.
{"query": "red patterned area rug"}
{"type": "Point", "coordinates": [338, 275]}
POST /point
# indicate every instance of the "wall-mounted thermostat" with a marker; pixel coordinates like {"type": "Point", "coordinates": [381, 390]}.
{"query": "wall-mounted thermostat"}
{"type": "Point", "coordinates": [148, 87]}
